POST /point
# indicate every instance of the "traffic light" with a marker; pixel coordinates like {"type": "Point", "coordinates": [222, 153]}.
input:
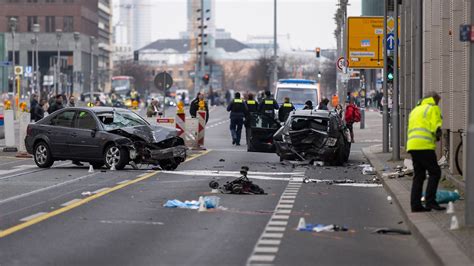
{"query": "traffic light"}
{"type": "Point", "coordinates": [205, 79]}
{"type": "Point", "coordinates": [318, 52]}
{"type": "Point", "coordinates": [390, 72]}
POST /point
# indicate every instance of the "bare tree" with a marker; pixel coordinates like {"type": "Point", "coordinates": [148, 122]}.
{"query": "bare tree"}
{"type": "Point", "coordinates": [328, 77]}
{"type": "Point", "coordinates": [142, 74]}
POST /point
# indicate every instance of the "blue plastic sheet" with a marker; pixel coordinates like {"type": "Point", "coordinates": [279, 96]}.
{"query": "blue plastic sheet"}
{"type": "Point", "coordinates": [209, 202]}
{"type": "Point", "coordinates": [445, 196]}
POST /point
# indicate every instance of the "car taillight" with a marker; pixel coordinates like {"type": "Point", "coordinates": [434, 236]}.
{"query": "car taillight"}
{"type": "Point", "coordinates": [29, 130]}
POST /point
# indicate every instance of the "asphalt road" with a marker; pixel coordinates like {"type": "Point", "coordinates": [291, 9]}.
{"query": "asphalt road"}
{"type": "Point", "coordinates": [67, 216]}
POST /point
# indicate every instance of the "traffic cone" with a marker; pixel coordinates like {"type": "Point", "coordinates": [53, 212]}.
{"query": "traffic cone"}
{"type": "Point", "coordinates": [454, 223]}
{"type": "Point", "coordinates": [112, 168]}
{"type": "Point", "coordinates": [450, 209]}
{"type": "Point", "coordinates": [301, 224]}
{"type": "Point", "coordinates": [91, 169]}
{"type": "Point", "coordinates": [202, 204]}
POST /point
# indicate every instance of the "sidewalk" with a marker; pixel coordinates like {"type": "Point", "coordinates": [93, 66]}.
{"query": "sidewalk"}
{"type": "Point", "coordinates": [449, 247]}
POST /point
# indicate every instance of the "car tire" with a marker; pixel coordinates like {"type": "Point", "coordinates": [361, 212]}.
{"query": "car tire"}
{"type": "Point", "coordinates": [42, 155]}
{"type": "Point", "coordinates": [117, 156]}
{"type": "Point", "coordinates": [168, 164]}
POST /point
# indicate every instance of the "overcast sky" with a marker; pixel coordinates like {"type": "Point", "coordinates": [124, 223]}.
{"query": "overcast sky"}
{"type": "Point", "coordinates": [309, 23]}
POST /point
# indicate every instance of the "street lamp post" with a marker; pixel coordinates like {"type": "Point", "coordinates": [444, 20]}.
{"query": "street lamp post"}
{"type": "Point", "coordinates": [77, 37]}
{"type": "Point", "coordinates": [13, 23]}
{"type": "Point", "coordinates": [275, 45]}
{"type": "Point", "coordinates": [36, 29]}
{"type": "Point", "coordinates": [59, 34]}
{"type": "Point", "coordinates": [92, 41]}
{"type": "Point", "coordinates": [33, 44]}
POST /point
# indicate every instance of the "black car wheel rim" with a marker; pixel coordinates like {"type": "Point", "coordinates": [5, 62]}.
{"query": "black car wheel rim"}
{"type": "Point", "coordinates": [112, 157]}
{"type": "Point", "coordinates": [41, 154]}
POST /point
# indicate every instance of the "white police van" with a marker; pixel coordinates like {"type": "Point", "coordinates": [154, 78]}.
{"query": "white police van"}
{"type": "Point", "coordinates": [299, 91]}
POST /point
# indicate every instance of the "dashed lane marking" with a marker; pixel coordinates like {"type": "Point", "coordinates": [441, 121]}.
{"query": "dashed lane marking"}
{"type": "Point", "coordinates": [275, 229]}
{"type": "Point", "coordinates": [70, 202]}
{"type": "Point", "coordinates": [272, 235]}
{"type": "Point", "coordinates": [270, 242]}
{"type": "Point", "coordinates": [127, 180]}
{"type": "Point", "coordinates": [100, 190]}
{"type": "Point", "coordinates": [262, 258]}
{"type": "Point", "coordinates": [266, 249]}
{"type": "Point", "coordinates": [57, 212]}
{"type": "Point", "coordinates": [273, 222]}
{"type": "Point", "coordinates": [31, 217]}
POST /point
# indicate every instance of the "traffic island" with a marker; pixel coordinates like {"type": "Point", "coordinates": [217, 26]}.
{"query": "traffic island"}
{"type": "Point", "coordinates": [432, 229]}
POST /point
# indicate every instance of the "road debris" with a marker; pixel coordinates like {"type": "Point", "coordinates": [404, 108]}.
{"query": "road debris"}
{"type": "Point", "coordinates": [387, 231]}
{"type": "Point", "coordinates": [208, 202]}
{"type": "Point", "coordinates": [241, 185]}
{"type": "Point", "coordinates": [222, 160]}
{"type": "Point", "coordinates": [368, 170]}
{"type": "Point", "coordinates": [86, 193]}
{"type": "Point", "coordinates": [446, 196]}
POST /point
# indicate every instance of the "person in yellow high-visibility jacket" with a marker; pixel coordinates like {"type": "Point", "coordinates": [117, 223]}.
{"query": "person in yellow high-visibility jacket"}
{"type": "Point", "coordinates": [424, 129]}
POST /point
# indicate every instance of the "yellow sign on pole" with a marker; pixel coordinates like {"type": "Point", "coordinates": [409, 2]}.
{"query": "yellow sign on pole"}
{"type": "Point", "coordinates": [365, 46]}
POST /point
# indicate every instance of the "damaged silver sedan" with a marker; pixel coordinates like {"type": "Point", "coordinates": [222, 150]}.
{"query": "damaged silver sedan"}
{"type": "Point", "coordinates": [313, 135]}
{"type": "Point", "coordinates": [103, 136]}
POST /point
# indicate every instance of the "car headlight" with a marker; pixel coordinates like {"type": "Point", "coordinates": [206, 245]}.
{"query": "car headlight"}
{"type": "Point", "coordinates": [331, 142]}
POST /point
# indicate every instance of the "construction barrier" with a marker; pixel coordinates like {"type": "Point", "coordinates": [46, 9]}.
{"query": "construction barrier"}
{"type": "Point", "coordinates": [10, 144]}
{"type": "Point", "coordinates": [166, 122]}
{"type": "Point", "coordinates": [201, 128]}
{"type": "Point", "coordinates": [24, 120]}
{"type": "Point", "coordinates": [181, 120]}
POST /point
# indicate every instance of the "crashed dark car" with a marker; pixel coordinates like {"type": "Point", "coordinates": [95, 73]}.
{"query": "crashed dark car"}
{"type": "Point", "coordinates": [103, 136]}
{"type": "Point", "coordinates": [260, 129]}
{"type": "Point", "coordinates": [313, 135]}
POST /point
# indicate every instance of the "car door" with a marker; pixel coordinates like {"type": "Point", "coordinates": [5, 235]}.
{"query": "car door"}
{"type": "Point", "coordinates": [84, 142]}
{"type": "Point", "coordinates": [262, 129]}
{"type": "Point", "coordinates": [59, 133]}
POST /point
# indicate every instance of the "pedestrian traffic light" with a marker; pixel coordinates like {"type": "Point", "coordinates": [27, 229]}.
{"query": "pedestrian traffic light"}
{"type": "Point", "coordinates": [390, 71]}
{"type": "Point", "coordinates": [318, 52]}
{"type": "Point", "coordinates": [205, 79]}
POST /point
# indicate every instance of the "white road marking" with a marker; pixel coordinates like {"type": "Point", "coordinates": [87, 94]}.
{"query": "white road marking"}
{"type": "Point", "coordinates": [265, 258]}
{"type": "Point", "coordinates": [31, 217]}
{"type": "Point", "coordinates": [100, 190]}
{"type": "Point", "coordinates": [287, 201]}
{"type": "Point", "coordinates": [272, 235]}
{"type": "Point", "coordinates": [266, 249]}
{"type": "Point", "coordinates": [269, 242]}
{"type": "Point", "coordinates": [289, 197]}
{"type": "Point", "coordinates": [70, 202]}
{"type": "Point", "coordinates": [275, 229]}
{"type": "Point", "coordinates": [282, 211]}
{"type": "Point", "coordinates": [284, 206]}
{"type": "Point", "coordinates": [280, 217]}
{"type": "Point", "coordinates": [127, 180]}
{"type": "Point", "coordinates": [28, 172]}
{"type": "Point", "coordinates": [283, 223]}
{"type": "Point", "coordinates": [45, 189]}
{"type": "Point", "coordinates": [130, 222]}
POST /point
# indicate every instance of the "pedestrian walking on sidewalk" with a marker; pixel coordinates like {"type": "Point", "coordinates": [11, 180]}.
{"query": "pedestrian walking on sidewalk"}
{"type": "Point", "coordinates": [424, 130]}
{"type": "Point", "coordinates": [238, 110]}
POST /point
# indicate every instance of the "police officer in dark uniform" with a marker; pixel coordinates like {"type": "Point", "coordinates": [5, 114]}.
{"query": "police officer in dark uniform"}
{"type": "Point", "coordinates": [285, 109]}
{"type": "Point", "coordinates": [238, 110]}
{"type": "Point", "coordinates": [252, 106]}
{"type": "Point", "coordinates": [268, 106]}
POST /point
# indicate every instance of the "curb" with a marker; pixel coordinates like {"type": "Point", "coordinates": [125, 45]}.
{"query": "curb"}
{"type": "Point", "coordinates": [441, 248]}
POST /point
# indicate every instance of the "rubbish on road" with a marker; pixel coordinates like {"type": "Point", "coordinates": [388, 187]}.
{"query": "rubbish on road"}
{"type": "Point", "coordinates": [215, 191]}
{"type": "Point", "coordinates": [91, 169]}
{"type": "Point", "coordinates": [209, 203]}
{"type": "Point", "coordinates": [318, 163]}
{"type": "Point", "coordinates": [368, 170]}
{"type": "Point", "coordinates": [329, 228]}
{"type": "Point", "coordinates": [450, 209]}
{"type": "Point", "coordinates": [454, 223]}
{"type": "Point", "coordinates": [222, 160]}
{"type": "Point", "coordinates": [112, 168]}
{"type": "Point", "coordinates": [202, 205]}
{"type": "Point", "coordinates": [445, 196]}
{"type": "Point", "coordinates": [241, 185]}
{"type": "Point", "coordinates": [408, 163]}
{"type": "Point", "coordinates": [391, 175]}
{"type": "Point", "coordinates": [389, 199]}
{"type": "Point", "coordinates": [301, 224]}
{"type": "Point", "coordinates": [364, 165]}
{"type": "Point", "coordinates": [392, 231]}
{"type": "Point", "coordinates": [443, 162]}
{"type": "Point", "coordinates": [86, 193]}
{"type": "Point", "coordinates": [345, 182]}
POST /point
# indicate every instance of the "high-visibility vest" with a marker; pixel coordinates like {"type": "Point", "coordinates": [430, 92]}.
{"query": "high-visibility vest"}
{"type": "Point", "coordinates": [424, 120]}
{"type": "Point", "coordinates": [89, 104]}
{"type": "Point", "coordinates": [289, 105]}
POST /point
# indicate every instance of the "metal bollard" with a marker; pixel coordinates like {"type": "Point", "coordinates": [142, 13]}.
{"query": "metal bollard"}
{"type": "Point", "coordinates": [362, 118]}
{"type": "Point", "coordinates": [10, 143]}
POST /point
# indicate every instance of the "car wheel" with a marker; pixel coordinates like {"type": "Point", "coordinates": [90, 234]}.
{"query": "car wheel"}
{"type": "Point", "coordinates": [42, 155]}
{"type": "Point", "coordinates": [115, 155]}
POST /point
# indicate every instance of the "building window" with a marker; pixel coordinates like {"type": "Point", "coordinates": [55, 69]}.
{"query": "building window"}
{"type": "Point", "coordinates": [68, 24]}
{"type": "Point", "coordinates": [32, 1]}
{"type": "Point", "coordinates": [50, 24]}
{"type": "Point", "coordinates": [50, 1]}
{"type": "Point", "coordinates": [13, 1]}
{"type": "Point", "coordinates": [69, 1]}
{"type": "Point", "coordinates": [31, 21]}
{"type": "Point", "coordinates": [7, 28]}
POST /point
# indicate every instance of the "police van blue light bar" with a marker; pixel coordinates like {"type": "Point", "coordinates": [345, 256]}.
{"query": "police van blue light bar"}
{"type": "Point", "coordinates": [297, 81]}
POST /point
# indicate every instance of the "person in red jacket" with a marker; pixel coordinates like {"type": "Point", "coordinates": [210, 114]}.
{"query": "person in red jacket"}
{"type": "Point", "coordinates": [352, 116]}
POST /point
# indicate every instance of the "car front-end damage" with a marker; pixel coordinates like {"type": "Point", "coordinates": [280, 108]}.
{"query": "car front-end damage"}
{"type": "Point", "coordinates": [313, 135]}
{"type": "Point", "coordinates": [153, 145]}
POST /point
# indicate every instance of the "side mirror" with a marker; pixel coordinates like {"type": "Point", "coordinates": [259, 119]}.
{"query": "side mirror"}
{"type": "Point", "coordinates": [93, 132]}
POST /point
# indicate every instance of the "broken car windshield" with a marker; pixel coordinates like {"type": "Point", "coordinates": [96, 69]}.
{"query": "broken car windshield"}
{"type": "Point", "coordinates": [117, 119]}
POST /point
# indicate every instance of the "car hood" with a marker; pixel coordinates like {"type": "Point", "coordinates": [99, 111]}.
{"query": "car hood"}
{"type": "Point", "coordinates": [150, 134]}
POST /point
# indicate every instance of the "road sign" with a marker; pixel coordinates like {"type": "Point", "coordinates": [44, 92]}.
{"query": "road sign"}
{"type": "Point", "coordinates": [18, 70]}
{"type": "Point", "coordinates": [341, 63]}
{"type": "Point", "coordinates": [390, 42]}
{"type": "Point", "coordinates": [5, 63]}
{"type": "Point", "coordinates": [163, 81]}
{"type": "Point", "coordinates": [48, 80]}
{"type": "Point", "coordinates": [365, 42]}
{"type": "Point", "coordinates": [390, 24]}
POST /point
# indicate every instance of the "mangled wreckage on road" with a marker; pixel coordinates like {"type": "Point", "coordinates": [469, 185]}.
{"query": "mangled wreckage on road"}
{"type": "Point", "coordinates": [103, 136]}
{"type": "Point", "coordinates": [313, 135]}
